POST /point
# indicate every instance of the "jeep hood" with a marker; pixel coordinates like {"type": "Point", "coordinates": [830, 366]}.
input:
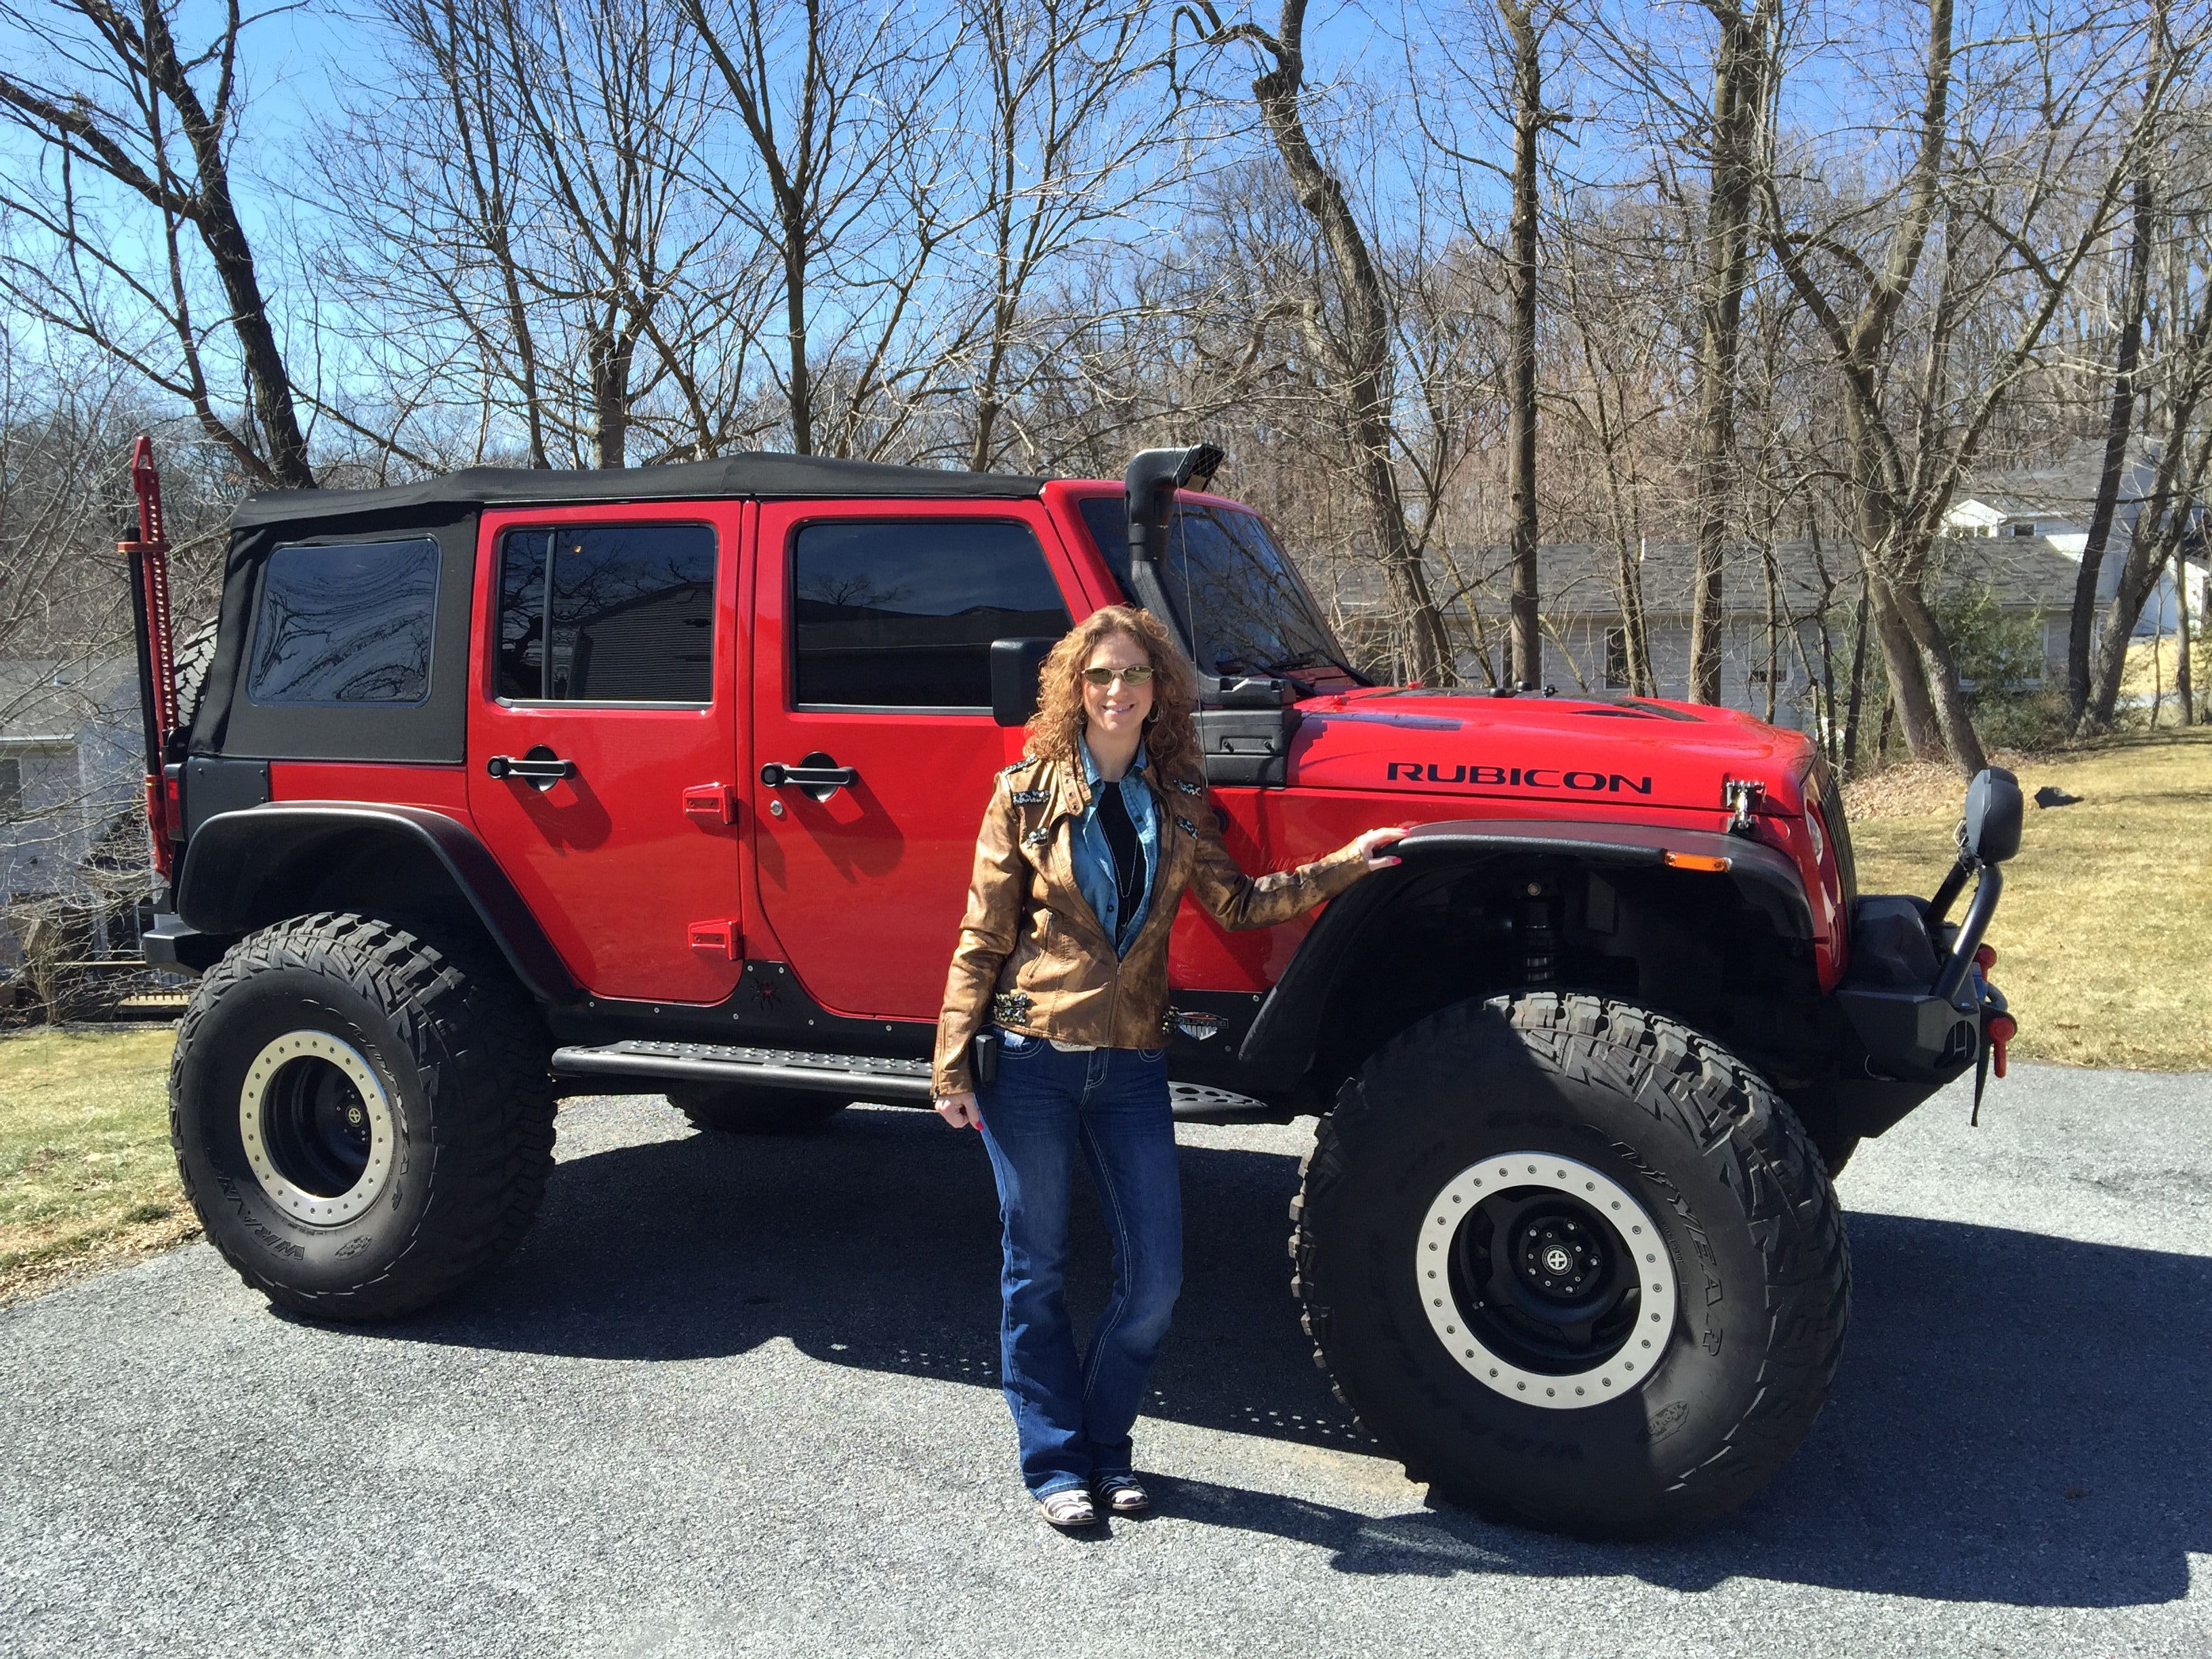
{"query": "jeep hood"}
{"type": "Point", "coordinates": [1583, 754]}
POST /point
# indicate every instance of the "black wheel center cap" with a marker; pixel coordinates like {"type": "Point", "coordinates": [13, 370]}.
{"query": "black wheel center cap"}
{"type": "Point", "coordinates": [1558, 1256]}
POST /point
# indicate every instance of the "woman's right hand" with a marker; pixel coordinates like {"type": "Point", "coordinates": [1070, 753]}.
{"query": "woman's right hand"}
{"type": "Point", "coordinates": [960, 1110]}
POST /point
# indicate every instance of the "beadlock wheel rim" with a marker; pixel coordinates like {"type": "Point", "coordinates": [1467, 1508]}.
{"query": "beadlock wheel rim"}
{"type": "Point", "coordinates": [1539, 1191]}
{"type": "Point", "coordinates": [316, 1123]}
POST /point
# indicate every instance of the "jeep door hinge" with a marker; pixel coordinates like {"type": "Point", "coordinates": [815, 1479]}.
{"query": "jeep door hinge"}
{"type": "Point", "coordinates": [721, 940]}
{"type": "Point", "coordinates": [710, 802]}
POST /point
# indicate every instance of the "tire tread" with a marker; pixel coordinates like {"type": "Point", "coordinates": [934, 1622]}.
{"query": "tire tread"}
{"type": "Point", "coordinates": [1736, 1118]}
{"type": "Point", "coordinates": [479, 1040]}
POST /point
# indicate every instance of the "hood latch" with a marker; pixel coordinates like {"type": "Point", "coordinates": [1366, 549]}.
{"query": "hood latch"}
{"type": "Point", "coordinates": [1741, 797]}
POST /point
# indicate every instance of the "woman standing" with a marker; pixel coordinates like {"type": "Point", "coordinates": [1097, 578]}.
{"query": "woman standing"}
{"type": "Point", "coordinates": [1085, 851]}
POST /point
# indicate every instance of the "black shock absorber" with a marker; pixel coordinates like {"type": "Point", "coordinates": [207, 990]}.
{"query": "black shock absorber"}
{"type": "Point", "coordinates": [1539, 934]}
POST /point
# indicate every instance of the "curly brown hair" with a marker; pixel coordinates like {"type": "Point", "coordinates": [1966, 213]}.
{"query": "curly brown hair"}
{"type": "Point", "coordinates": [1170, 738]}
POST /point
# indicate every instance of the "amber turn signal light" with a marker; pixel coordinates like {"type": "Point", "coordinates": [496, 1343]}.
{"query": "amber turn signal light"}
{"type": "Point", "coordinates": [1694, 861]}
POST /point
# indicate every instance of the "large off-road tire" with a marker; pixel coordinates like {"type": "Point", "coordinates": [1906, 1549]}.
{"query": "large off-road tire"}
{"type": "Point", "coordinates": [1575, 1266]}
{"type": "Point", "coordinates": [363, 1117]}
{"type": "Point", "coordinates": [195, 655]}
{"type": "Point", "coordinates": [746, 1111]}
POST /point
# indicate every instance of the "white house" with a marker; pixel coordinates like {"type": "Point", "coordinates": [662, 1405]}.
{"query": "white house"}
{"type": "Point", "coordinates": [69, 770]}
{"type": "Point", "coordinates": [1771, 606]}
{"type": "Point", "coordinates": [2051, 506]}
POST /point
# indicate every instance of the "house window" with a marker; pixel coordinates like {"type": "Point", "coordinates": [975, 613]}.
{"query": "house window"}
{"type": "Point", "coordinates": [630, 609]}
{"type": "Point", "coordinates": [1616, 658]}
{"type": "Point", "coordinates": [2025, 528]}
{"type": "Point", "coordinates": [11, 789]}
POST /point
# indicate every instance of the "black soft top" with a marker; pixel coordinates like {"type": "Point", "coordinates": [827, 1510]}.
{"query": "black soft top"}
{"type": "Point", "coordinates": [754, 474]}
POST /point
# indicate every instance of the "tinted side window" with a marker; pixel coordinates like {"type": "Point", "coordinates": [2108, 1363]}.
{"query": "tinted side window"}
{"type": "Point", "coordinates": [348, 625]}
{"type": "Point", "coordinates": [902, 614]}
{"type": "Point", "coordinates": [607, 613]}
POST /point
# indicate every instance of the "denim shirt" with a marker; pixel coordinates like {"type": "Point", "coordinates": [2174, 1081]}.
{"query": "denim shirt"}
{"type": "Point", "coordinates": [1094, 855]}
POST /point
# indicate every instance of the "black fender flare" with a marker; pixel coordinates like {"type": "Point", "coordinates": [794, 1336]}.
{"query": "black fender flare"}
{"type": "Point", "coordinates": [1285, 1032]}
{"type": "Point", "coordinates": [237, 865]}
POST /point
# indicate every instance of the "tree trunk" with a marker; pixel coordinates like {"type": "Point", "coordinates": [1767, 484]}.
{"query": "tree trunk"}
{"type": "Point", "coordinates": [1739, 91]}
{"type": "Point", "coordinates": [1954, 720]}
{"type": "Point", "coordinates": [1362, 374]}
{"type": "Point", "coordinates": [1909, 692]}
{"type": "Point", "coordinates": [1848, 763]}
{"type": "Point", "coordinates": [2119, 422]}
{"type": "Point", "coordinates": [1773, 637]}
{"type": "Point", "coordinates": [1628, 592]}
{"type": "Point", "coordinates": [2184, 687]}
{"type": "Point", "coordinates": [609, 355]}
{"type": "Point", "coordinates": [1527, 668]}
{"type": "Point", "coordinates": [2162, 524]}
{"type": "Point", "coordinates": [267, 380]}
{"type": "Point", "coordinates": [794, 323]}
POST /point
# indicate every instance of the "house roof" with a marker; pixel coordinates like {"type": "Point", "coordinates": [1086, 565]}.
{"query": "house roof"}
{"type": "Point", "coordinates": [1577, 578]}
{"type": "Point", "coordinates": [2065, 488]}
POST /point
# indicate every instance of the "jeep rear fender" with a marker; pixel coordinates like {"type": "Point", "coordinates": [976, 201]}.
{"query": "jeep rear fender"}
{"type": "Point", "coordinates": [1286, 1033]}
{"type": "Point", "coordinates": [245, 869]}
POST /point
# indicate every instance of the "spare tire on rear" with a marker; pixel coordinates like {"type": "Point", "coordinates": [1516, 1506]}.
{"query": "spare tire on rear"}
{"type": "Point", "coordinates": [1577, 1267]}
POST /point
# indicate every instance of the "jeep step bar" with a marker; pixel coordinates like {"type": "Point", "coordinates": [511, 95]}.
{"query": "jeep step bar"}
{"type": "Point", "coordinates": [858, 1076]}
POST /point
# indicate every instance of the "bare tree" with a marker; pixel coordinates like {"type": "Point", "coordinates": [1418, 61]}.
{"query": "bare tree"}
{"type": "Point", "coordinates": [121, 102]}
{"type": "Point", "coordinates": [1611, 388]}
{"type": "Point", "coordinates": [1743, 74]}
{"type": "Point", "coordinates": [1068, 146]}
{"type": "Point", "coordinates": [2166, 519]}
{"type": "Point", "coordinates": [1350, 336]}
{"type": "Point", "coordinates": [1526, 24]}
{"type": "Point", "coordinates": [843, 168]}
{"type": "Point", "coordinates": [2119, 422]}
{"type": "Point", "coordinates": [519, 230]}
{"type": "Point", "coordinates": [2035, 164]}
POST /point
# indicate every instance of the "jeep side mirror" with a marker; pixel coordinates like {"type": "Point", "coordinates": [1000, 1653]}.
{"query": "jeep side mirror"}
{"type": "Point", "coordinates": [1993, 813]}
{"type": "Point", "coordinates": [1014, 665]}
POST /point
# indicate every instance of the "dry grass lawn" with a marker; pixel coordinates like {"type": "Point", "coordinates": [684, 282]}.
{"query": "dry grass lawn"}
{"type": "Point", "coordinates": [2104, 938]}
{"type": "Point", "coordinates": [85, 1175]}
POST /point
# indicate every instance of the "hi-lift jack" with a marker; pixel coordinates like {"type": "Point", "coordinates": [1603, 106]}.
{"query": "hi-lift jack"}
{"type": "Point", "coordinates": [148, 552]}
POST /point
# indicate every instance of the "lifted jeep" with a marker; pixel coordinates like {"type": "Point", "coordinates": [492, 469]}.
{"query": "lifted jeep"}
{"type": "Point", "coordinates": [511, 785]}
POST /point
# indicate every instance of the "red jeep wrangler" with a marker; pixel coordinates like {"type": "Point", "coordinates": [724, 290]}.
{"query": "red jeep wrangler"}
{"type": "Point", "coordinates": [513, 785]}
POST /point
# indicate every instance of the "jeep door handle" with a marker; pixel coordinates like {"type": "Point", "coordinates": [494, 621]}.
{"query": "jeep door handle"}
{"type": "Point", "coordinates": [541, 772]}
{"type": "Point", "coordinates": [814, 773]}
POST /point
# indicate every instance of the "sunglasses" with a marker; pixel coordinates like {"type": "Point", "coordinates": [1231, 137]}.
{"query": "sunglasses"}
{"type": "Point", "coordinates": [1140, 675]}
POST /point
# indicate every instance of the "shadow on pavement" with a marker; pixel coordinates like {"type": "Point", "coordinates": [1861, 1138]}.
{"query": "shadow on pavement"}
{"type": "Point", "coordinates": [2020, 1420]}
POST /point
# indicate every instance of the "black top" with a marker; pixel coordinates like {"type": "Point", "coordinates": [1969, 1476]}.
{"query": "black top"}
{"type": "Point", "coordinates": [1121, 842]}
{"type": "Point", "coordinates": [751, 475]}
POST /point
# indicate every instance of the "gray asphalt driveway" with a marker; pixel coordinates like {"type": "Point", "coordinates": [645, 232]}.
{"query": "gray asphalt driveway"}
{"type": "Point", "coordinates": [739, 1397]}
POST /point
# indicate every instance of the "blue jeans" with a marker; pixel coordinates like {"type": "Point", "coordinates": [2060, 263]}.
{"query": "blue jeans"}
{"type": "Point", "coordinates": [1072, 1417]}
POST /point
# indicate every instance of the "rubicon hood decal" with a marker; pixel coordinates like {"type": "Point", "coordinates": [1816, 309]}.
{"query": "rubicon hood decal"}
{"type": "Point", "coordinates": [1541, 750]}
{"type": "Point", "coordinates": [1586, 780]}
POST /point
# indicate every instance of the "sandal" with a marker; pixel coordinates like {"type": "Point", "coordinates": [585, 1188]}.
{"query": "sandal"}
{"type": "Point", "coordinates": [1070, 1508]}
{"type": "Point", "coordinates": [1123, 1494]}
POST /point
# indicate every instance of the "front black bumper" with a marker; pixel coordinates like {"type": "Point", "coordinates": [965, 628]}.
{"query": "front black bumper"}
{"type": "Point", "coordinates": [1915, 1003]}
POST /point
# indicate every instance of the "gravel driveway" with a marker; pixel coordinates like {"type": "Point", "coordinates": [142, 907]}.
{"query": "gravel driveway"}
{"type": "Point", "coordinates": [739, 1397]}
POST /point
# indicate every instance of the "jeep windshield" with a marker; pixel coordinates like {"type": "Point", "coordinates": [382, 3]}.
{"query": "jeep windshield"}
{"type": "Point", "coordinates": [1243, 608]}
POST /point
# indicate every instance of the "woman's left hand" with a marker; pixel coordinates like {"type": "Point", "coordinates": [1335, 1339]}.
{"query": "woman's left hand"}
{"type": "Point", "coordinates": [1369, 847]}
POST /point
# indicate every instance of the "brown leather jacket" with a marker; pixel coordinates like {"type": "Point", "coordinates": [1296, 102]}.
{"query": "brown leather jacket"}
{"type": "Point", "coordinates": [1033, 955]}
